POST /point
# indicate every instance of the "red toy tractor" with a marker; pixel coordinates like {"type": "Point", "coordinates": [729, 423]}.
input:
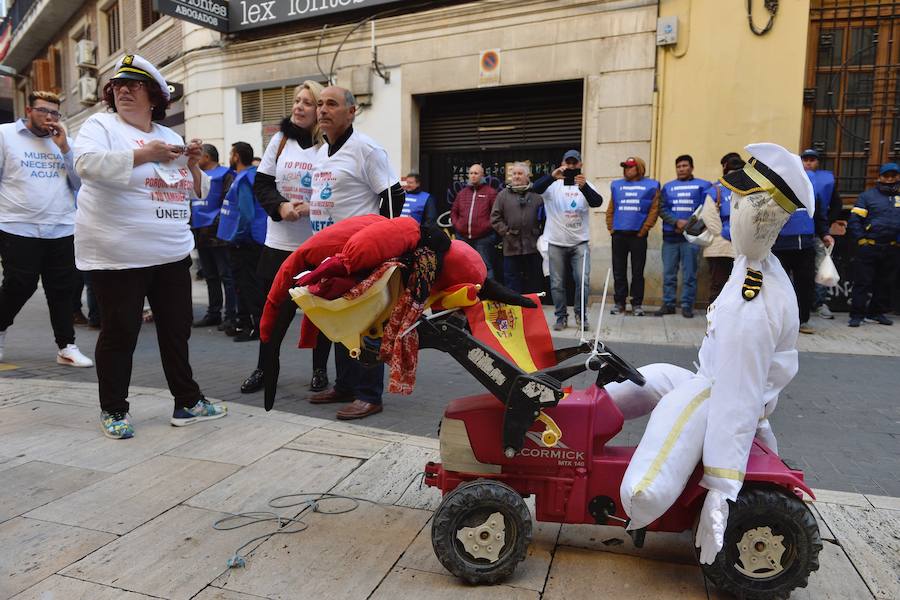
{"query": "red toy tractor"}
{"type": "Point", "coordinates": [527, 437]}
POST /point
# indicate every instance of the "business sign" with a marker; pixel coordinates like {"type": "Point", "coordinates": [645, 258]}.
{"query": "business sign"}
{"type": "Point", "coordinates": [250, 14]}
{"type": "Point", "coordinates": [212, 14]}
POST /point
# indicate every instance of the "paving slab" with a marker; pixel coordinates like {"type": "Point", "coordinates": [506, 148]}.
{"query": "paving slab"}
{"type": "Point", "coordinates": [387, 476]}
{"type": "Point", "coordinates": [406, 583]}
{"type": "Point", "coordinates": [282, 472]}
{"type": "Point", "coordinates": [378, 434]}
{"type": "Point", "coordinates": [328, 441]}
{"type": "Point", "coordinates": [242, 441]}
{"type": "Point", "coordinates": [36, 483]}
{"type": "Point", "coordinates": [151, 438]}
{"type": "Point", "coordinates": [338, 556]}
{"type": "Point", "coordinates": [530, 574]}
{"type": "Point", "coordinates": [173, 556]}
{"type": "Point", "coordinates": [43, 443]}
{"type": "Point", "coordinates": [660, 546]}
{"type": "Point", "coordinates": [51, 413]}
{"type": "Point", "coordinates": [884, 502]}
{"type": "Point", "coordinates": [579, 573]}
{"type": "Point", "coordinates": [57, 587]}
{"type": "Point", "coordinates": [871, 539]}
{"type": "Point", "coordinates": [136, 495]}
{"type": "Point", "coordinates": [836, 578]}
{"type": "Point", "coordinates": [214, 593]}
{"type": "Point", "coordinates": [844, 498]}
{"type": "Point", "coordinates": [824, 531]}
{"type": "Point", "coordinates": [41, 549]}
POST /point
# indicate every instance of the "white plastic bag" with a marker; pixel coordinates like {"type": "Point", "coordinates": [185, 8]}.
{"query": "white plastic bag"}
{"type": "Point", "coordinates": [827, 273]}
{"type": "Point", "coordinates": [696, 232]}
{"type": "Point", "coordinates": [669, 451]}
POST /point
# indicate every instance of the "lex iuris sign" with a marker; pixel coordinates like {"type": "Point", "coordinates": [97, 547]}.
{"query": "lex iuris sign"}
{"type": "Point", "coordinates": [212, 14]}
{"type": "Point", "coordinates": [249, 14]}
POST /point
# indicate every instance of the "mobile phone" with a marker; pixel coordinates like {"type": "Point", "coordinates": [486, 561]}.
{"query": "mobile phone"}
{"type": "Point", "coordinates": [569, 176]}
{"type": "Point", "coordinates": [178, 149]}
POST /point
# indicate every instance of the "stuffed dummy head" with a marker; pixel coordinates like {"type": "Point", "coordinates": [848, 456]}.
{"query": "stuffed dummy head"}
{"type": "Point", "coordinates": [770, 187]}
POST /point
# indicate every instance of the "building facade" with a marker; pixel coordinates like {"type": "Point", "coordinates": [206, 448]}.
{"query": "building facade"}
{"type": "Point", "coordinates": [443, 84]}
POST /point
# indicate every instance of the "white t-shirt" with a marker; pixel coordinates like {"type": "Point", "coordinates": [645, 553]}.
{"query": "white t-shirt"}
{"type": "Point", "coordinates": [347, 184]}
{"type": "Point", "coordinates": [567, 215]}
{"type": "Point", "coordinates": [34, 187]}
{"type": "Point", "coordinates": [137, 219]}
{"type": "Point", "coordinates": [293, 180]}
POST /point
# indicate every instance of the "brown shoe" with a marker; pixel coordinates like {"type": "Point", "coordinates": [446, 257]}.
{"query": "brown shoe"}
{"type": "Point", "coordinates": [358, 410]}
{"type": "Point", "coordinates": [330, 397]}
{"type": "Point", "coordinates": [78, 318]}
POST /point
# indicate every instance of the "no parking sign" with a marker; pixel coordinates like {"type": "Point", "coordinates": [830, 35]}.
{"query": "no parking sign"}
{"type": "Point", "coordinates": [489, 67]}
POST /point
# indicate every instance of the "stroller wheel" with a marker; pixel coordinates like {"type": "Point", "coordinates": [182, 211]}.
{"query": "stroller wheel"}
{"type": "Point", "coordinates": [772, 544]}
{"type": "Point", "coordinates": [481, 531]}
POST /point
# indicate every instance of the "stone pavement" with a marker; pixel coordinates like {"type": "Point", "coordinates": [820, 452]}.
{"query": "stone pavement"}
{"type": "Point", "coordinates": [85, 517]}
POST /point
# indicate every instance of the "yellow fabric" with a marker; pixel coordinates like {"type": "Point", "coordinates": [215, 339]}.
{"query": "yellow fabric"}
{"type": "Point", "coordinates": [513, 337]}
{"type": "Point", "coordinates": [860, 211]}
{"type": "Point", "coordinates": [467, 295]}
{"type": "Point", "coordinates": [673, 436]}
{"type": "Point", "coordinates": [866, 242]}
{"type": "Point", "coordinates": [134, 70]}
{"type": "Point", "coordinates": [766, 185]}
{"type": "Point", "coordinates": [724, 473]}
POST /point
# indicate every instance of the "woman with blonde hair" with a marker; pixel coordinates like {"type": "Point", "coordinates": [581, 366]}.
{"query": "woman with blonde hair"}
{"type": "Point", "coordinates": [282, 187]}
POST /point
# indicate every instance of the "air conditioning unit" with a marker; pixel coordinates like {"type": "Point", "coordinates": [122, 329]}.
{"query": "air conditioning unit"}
{"type": "Point", "coordinates": [87, 90]}
{"type": "Point", "coordinates": [84, 54]}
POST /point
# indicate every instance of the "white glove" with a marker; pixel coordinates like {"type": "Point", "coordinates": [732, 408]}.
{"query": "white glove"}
{"type": "Point", "coordinates": [765, 434]}
{"type": "Point", "coordinates": [711, 529]}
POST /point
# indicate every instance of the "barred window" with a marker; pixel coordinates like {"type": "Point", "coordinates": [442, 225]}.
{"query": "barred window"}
{"type": "Point", "coordinates": [113, 29]}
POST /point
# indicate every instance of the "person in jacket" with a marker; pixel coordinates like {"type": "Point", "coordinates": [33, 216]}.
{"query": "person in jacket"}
{"type": "Point", "coordinates": [680, 198]}
{"type": "Point", "coordinates": [631, 214]}
{"type": "Point", "coordinates": [716, 215]}
{"type": "Point", "coordinates": [828, 201]}
{"type": "Point", "coordinates": [515, 219]}
{"type": "Point", "coordinates": [419, 204]}
{"type": "Point", "coordinates": [567, 196]}
{"type": "Point", "coordinates": [875, 226]}
{"type": "Point", "coordinates": [471, 216]}
{"type": "Point", "coordinates": [213, 252]}
{"type": "Point", "coordinates": [796, 249]}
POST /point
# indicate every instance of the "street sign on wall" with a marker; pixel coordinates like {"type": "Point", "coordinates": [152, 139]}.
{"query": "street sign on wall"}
{"type": "Point", "coordinates": [249, 14]}
{"type": "Point", "coordinates": [208, 13]}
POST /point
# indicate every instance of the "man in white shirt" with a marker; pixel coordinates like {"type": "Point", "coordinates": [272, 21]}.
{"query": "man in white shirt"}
{"type": "Point", "coordinates": [37, 221]}
{"type": "Point", "coordinates": [352, 177]}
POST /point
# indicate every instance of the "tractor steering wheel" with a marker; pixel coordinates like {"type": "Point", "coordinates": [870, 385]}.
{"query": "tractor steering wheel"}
{"type": "Point", "coordinates": [619, 365]}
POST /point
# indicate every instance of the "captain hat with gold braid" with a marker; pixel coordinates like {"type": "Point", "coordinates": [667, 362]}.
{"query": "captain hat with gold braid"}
{"type": "Point", "coordinates": [774, 170]}
{"type": "Point", "coordinates": [136, 67]}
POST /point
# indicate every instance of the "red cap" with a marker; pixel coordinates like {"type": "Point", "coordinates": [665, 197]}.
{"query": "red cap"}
{"type": "Point", "coordinates": [628, 162]}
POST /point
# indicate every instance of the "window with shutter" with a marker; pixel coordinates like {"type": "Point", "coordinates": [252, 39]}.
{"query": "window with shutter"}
{"type": "Point", "coordinates": [41, 79]}
{"type": "Point", "coordinates": [148, 15]}
{"type": "Point", "coordinates": [266, 105]}
{"type": "Point", "coordinates": [113, 36]}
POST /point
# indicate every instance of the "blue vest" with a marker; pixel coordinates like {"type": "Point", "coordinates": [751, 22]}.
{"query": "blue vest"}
{"type": "Point", "coordinates": [229, 215]}
{"type": "Point", "coordinates": [681, 199]}
{"type": "Point", "coordinates": [415, 205]}
{"type": "Point", "coordinates": [724, 201]}
{"type": "Point", "coordinates": [823, 185]}
{"type": "Point", "coordinates": [205, 210]}
{"type": "Point", "coordinates": [633, 200]}
{"type": "Point", "coordinates": [800, 223]}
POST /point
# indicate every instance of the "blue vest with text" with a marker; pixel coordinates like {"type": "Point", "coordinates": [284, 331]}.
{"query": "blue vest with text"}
{"type": "Point", "coordinates": [415, 205]}
{"type": "Point", "coordinates": [205, 210]}
{"type": "Point", "coordinates": [229, 216]}
{"type": "Point", "coordinates": [823, 185]}
{"type": "Point", "coordinates": [800, 223]}
{"type": "Point", "coordinates": [724, 200]}
{"type": "Point", "coordinates": [681, 199]}
{"type": "Point", "coordinates": [632, 200]}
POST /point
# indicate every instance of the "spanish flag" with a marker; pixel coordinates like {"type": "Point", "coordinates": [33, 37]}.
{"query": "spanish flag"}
{"type": "Point", "coordinates": [520, 334]}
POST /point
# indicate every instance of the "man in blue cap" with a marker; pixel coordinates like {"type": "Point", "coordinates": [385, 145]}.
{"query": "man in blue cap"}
{"type": "Point", "coordinates": [828, 205]}
{"type": "Point", "coordinates": [875, 225]}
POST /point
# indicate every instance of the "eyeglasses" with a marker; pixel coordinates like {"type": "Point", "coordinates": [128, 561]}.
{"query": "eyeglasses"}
{"type": "Point", "coordinates": [46, 111]}
{"type": "Point", "coordinates": [132, 84]}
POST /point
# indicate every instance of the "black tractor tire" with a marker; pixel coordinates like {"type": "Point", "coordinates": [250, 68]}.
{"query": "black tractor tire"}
{"type": "Point", "coordinates": [784, 515]}
{"type": "Point", "coordinates": [470, 505]}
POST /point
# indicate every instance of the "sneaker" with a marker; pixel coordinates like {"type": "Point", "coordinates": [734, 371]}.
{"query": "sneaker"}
{"type": "Point", "coordinates": [319, 381]}
{"type": "Point", "coordinates": [880, 319]}
{"type": "Point", "coordinates": [208, 320]}
{"type": "Point", "coordinates": [854, 322]}
{"type": "Point", "coordinates": [638, 311]}
{"type": "Point", "coordinates": [2, 343]}
{"type": "Point", "coordinates": [805, 328]}
{"type": "Point", "coordinates": [78, 318]}
{"type": "Point", "coordinates": [202, 411]}
{"type": "Point", "coordinates": [825, 312]}
{"type": "Point", "coordinates": [116, 425]}
{"type": "Point", "coordinates": [587, 326]}
{"type": "Point", "coordinates": [664, 310]}
{"type": "Point", "coordinates": [246, 335]}
{"type": "Point", "coordinates": [618, 309]}
{"type": "Point", "coordinates": [687, 312]}
{"type": "Point", "coordinates": [225, 324]}
{"type": "Point", "coordinates": [72, 356]}
{"type": "Point", "coordinates": [561, 323]}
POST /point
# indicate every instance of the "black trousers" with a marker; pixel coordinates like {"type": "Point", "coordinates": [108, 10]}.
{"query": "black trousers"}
{"type": "Point", "coordinates": [800, 266]}
{"type": "Point", "coordinates": [25, 260]}
{"type": "Point", "coordinates": [244, 259]}
{"type": "Point", "coordinates": [121, 297]}
{"type": "Point", "coordinates": [623, 244]}
{"type": "Point", "coordinates": [269, 262]}
{"type": "Point", "coordinates": [874, 269]}
{"type": "Point", "coordinates": [216, 264]}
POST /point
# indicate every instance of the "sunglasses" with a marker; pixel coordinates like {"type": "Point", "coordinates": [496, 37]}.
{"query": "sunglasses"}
{"type": "Point", "coordinates": [46, 111]}
{"type": "Point", "coordinates": [132, 84]}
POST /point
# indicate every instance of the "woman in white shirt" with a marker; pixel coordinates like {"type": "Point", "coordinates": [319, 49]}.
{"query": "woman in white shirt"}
{"type": "Point", "coordinates": [132, 234]}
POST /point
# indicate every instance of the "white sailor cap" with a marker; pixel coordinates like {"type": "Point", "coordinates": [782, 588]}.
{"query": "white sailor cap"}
{"type": "Point", "coordinates": [774, 170]}
{"type": "Point", "coordinates": [133, 66]}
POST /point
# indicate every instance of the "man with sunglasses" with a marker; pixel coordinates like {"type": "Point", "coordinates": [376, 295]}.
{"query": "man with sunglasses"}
{"type": "Point", "coordinates": [37, 221]}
